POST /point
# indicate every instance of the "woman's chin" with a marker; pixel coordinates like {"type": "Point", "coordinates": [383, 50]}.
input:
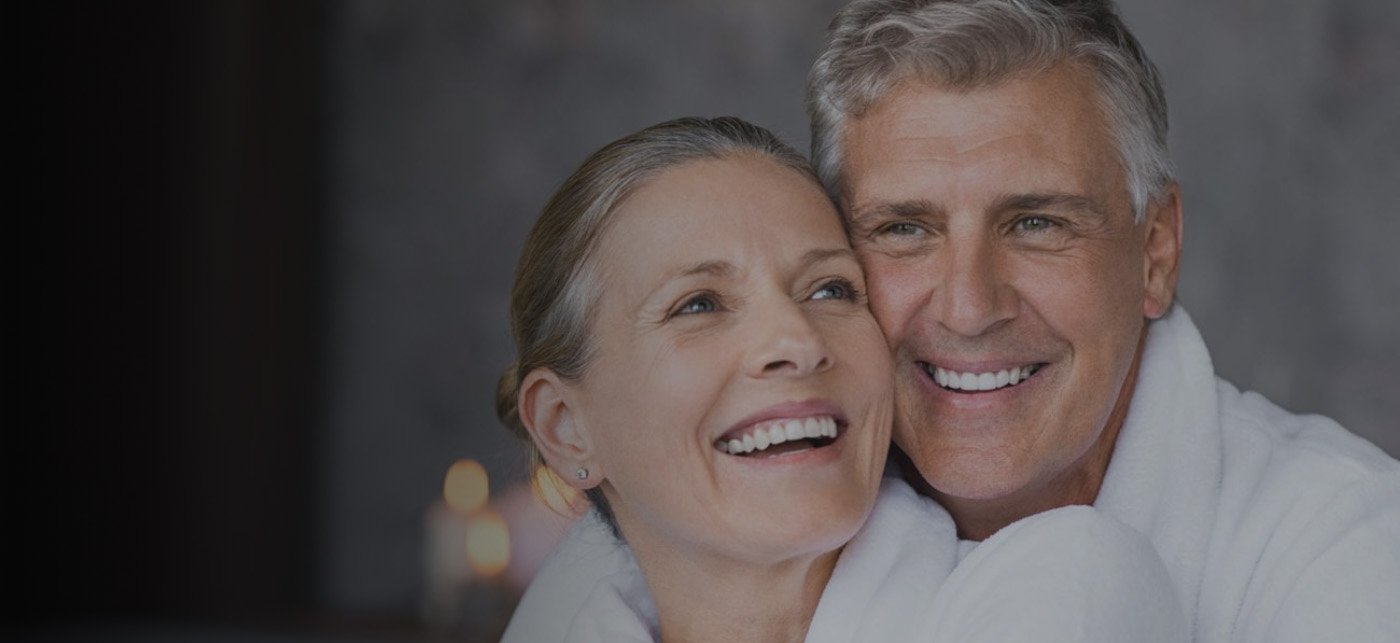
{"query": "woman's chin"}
{"type": "Point", "coordinates": [781, 531]}
{"type": "Point", "coordinates": [762, 511]}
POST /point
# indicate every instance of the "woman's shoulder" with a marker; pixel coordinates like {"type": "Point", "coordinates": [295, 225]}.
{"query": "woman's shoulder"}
{"type": "Point", "coordinates": [590, 578]}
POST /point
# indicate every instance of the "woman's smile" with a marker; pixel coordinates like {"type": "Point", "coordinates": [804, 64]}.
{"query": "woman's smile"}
{"type": "Point", "coordinates": [784, 429]}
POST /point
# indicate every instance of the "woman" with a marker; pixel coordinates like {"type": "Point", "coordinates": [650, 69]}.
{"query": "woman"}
{"type": "Point", "coordinates": [697, 356]}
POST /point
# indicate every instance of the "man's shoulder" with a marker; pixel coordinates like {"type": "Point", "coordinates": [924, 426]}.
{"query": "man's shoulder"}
{"type": "Point", "coordinates": [1264, 439]}
{"type": "Point", "coordinates": [1305, 507]}
{"type": "Point", "coordinates": [1282, 470]}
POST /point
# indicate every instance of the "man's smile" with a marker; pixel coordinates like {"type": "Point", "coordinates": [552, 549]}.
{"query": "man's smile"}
{"type": "Point", "coordinates": [972, 382]}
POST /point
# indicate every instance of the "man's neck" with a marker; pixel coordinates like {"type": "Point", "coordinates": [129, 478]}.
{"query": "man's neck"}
{"type": "Point", "coordinates": [978, 519]}
{"type": "Point", "coordinates": [1078, 484]}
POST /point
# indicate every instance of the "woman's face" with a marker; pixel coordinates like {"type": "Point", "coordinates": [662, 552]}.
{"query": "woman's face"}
{"type": "Point", "coordinates": [731, 327]}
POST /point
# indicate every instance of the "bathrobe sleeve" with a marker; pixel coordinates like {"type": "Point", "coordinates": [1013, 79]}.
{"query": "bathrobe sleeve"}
{"type": "Point", "coordinates": [1071, 574]}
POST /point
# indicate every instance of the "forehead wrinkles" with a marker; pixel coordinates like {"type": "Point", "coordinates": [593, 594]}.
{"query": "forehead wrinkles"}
{"type": "Point", "coordinates": [1043, 130]}
{"type": "Point", "coordinates": [972, 167]}
{"type": "Point", "coordinates": [944, 126]}
{"type": "Point", "coordinates": [966, 150]}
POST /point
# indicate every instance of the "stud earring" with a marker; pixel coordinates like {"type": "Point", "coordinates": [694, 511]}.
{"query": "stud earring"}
{"type": "Point", "coordinates": [582, 473]}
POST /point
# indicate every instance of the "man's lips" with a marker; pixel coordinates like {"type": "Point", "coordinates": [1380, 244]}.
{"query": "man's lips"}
{"type": "Point", "coordinates": [978, 380]}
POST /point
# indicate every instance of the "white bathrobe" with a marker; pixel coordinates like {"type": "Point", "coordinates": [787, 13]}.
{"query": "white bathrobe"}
{"type": "Point", "coordinates": [1273, 526]}
{"type": "Point", "coordinates": [1071, 574]}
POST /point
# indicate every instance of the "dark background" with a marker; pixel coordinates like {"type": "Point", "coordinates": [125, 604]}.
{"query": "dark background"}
{"type": "Point", "coordinates": [167, 469]}
{"type": "Point", "coordinates": [262, 286]}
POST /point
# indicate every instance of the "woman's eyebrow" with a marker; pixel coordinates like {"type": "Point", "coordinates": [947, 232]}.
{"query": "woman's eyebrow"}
{"type": "Point", "coordinates": [714, 268]}
{"type": "Point", "coordinates": [818, 255]}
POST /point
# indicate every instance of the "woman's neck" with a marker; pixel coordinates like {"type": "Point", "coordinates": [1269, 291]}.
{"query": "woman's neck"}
{"type": "Point", "coordinates": [711, 598]}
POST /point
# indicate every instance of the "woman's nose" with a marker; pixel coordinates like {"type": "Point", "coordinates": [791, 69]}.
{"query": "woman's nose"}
{"type": "Point", "coordinates": [787, 344]}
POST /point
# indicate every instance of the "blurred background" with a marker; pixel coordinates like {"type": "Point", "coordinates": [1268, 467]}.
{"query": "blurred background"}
{"type": "Point", "coordinates": [275, 244]}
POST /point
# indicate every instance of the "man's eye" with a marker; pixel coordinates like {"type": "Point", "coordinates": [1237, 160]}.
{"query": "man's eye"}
{"type": "Point", "coordinates": [697, 304]}
{"type": "Point", "coordinates": [1034, 224]}
{"type": "Point", "coordinates": [836, 289]}
{"type": "Point", "coordinates": [902, 229]}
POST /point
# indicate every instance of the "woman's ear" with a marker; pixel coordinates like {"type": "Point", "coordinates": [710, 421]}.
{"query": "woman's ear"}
{"type": "Point", "coordinates": [557, 428]}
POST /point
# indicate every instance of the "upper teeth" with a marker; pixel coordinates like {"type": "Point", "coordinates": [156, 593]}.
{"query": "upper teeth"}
{"type": "Point", "coordinates": [766, 434]}
{"type": "Point", "coordinates": [981, 381]}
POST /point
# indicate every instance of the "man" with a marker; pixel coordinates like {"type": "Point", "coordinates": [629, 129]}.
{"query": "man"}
{"type": "Point", "coordinates": [1002, 167]}
{"type": "Point", "coordinates": [1003, 172]}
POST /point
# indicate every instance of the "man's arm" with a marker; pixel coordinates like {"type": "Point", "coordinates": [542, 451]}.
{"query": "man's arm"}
{"type": "Point", "coordinates": [1070, 574]}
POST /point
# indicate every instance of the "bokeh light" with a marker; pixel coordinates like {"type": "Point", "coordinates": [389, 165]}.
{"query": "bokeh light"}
{"type": "Point", "coordinates": [465, 488]}
{"type": "Point", "coordinates": [488, 543]}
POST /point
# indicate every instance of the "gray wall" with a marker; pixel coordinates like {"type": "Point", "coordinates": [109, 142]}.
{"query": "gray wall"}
{"type": "Point", "coordinates": [455, 120]}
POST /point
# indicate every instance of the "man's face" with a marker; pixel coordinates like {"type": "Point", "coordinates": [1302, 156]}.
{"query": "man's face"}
{"type": "Point", "coordinates": [1008, 275]}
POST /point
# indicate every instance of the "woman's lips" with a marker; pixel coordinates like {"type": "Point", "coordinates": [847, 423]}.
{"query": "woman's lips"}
{"type": "Point", "coordinates": [765, 435]}
{"type": "Point", "coordinates": [813, 422]}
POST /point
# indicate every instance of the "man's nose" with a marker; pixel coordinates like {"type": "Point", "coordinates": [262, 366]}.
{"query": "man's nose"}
{"type": "Point", "coordinates": [786, 343]}
{"type": "Point", "coordinates": [975, 296]}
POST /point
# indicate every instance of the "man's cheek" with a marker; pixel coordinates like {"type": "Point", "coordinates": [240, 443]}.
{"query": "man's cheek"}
{"type": "Point", "coordinates": [895, 293]}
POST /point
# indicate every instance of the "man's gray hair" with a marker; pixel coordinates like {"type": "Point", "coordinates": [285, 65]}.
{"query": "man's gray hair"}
{"type": "Point", "coordinates": [873, 45]}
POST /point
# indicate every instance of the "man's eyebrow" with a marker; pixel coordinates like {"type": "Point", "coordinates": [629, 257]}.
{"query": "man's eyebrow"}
{"type": "Point", "coordinates": [883, 210]}
{"type": "Point", "coordinates": [1049, 201]}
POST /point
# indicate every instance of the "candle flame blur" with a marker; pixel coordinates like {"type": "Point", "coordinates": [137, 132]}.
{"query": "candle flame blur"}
{"type": "Point", "coordinates": [465, 488]}
{"type": "Point", "coordinates": [553, 492]}
{"type": "Point", "coordinates": [488, 543]}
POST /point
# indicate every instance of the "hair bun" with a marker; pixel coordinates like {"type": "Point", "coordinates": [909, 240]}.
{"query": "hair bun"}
{"type": "Point", "coordinates": [508, 400]}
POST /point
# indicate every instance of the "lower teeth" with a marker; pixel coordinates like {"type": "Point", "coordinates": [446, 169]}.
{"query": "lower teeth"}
{"type": "Point", "coordinates": [787, 447]}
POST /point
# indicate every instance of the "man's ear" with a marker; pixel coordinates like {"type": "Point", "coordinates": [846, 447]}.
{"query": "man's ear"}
{"type": "Point", "coordinates": [557, 429]}
{"type": "Point", "coordinates": [1162, 252]}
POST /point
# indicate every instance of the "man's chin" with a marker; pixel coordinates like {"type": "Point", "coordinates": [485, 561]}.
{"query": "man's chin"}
{"type": "Point", "coordinates": [969, 476]}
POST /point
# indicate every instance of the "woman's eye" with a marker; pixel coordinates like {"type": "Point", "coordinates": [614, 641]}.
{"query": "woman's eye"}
{"type": "Point", "coordinates": [836, 289]}
{"type": "Point", "coordinates": [1034, 224]}
{"type": "Point", "coordinates": [697, 304]}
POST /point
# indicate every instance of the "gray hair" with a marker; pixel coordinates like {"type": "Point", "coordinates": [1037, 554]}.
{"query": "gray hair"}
{"type": "Point", "coordinates": [551, 307]}
{"type": "Point", "coordinates": [873, 45]}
